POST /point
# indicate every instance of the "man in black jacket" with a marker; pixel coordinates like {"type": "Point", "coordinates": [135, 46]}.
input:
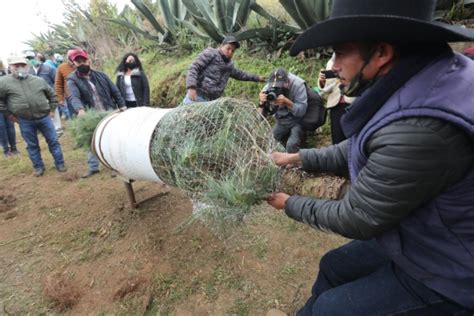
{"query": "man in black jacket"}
{"type": "Point", "coordinates": [208, 75]}
{"type": "Point", "coordinates": [410, 157]}
{"type": "Point", "coordinates": [91, 89]}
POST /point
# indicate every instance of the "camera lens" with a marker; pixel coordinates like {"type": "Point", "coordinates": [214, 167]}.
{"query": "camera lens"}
{"type": "Point", "coordinates": [271, 96]}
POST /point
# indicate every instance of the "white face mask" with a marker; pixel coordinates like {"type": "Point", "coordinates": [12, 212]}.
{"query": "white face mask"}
{"type": "Point", "coordinates": [21, 72]}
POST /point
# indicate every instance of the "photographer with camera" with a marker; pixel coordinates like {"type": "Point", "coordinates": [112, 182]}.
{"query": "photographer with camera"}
{"type": "Point", "coordinates": [336, 102]}
{"type": "Point", "coordinates": [285, 96]}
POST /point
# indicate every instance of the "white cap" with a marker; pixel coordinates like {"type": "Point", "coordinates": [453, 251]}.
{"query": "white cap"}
{"type": "Point", "coordinates": [17, 60]}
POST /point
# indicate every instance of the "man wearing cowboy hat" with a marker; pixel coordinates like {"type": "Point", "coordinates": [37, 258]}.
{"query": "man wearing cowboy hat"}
{"type": "Point", "coordinates": [409, 154]}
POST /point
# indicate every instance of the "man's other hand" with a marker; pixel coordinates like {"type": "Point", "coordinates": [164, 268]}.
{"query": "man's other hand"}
{"type": "Point", "coordinates": [262, 98]}
{"type": "Point", "coordinates": [81, 112]}
{"type": "Point", "coordinates": [277, 200]}
{"type": "Point", "coordinates": [281, 100]}
{"type": "Point", "coordinates": [192, 94]}
{"type": "Point", "coordinates": [283, 159]}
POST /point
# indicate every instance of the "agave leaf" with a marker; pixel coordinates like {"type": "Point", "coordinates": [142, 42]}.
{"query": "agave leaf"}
{"type": "Point", "coordinates": [205, 10]}
{"type": "Point", "coordinates": [263, 33]}
{"type": "Point", "coordinates": [134, 28]}
{"type": "Point", "coordinates": [148, 15]}
{"type": "Point", "coordinates": [305, 13]}
{"type": "Point", "coordinates": [193, 28]}
{"type": "Point", "coordinates": [231, 15]}
{"type": "Point", "coordinates": [242, 15]}
{"type": "Point", "coordinates": [220, 13]}
{"type": "Point", "coordinates": [209, 28]}
{"type": "Point", "coordinates": [290, 8]}
{"type": "Point", "coordinates": [168, 15]}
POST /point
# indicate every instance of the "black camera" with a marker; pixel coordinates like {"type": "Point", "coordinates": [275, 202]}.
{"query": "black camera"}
{"type": "Point", "coordinates": [273, 93]}
{"type": "Point", "coordinates": [329, 74]}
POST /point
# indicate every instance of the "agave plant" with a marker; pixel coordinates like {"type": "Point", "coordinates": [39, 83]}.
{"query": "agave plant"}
{"type": "Point", "coordinates": [307, 12]}
{"type": "Point", "coordinates": [217, 18]}
{"type": "Point", "coordinates": [172, 13]}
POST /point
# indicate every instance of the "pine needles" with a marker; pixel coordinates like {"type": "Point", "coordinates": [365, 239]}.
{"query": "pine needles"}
{"type": "Point", "coordinates": [83, 127]}
{"type": "Point", "coordinates": [218, 152]}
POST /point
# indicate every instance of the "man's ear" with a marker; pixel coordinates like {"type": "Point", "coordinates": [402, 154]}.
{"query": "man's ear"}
{"type": "Point", "coordinates": [384, 54]}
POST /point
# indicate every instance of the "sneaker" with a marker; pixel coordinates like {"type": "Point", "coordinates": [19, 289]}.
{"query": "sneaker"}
{"type": "Point", "coordinates": [38, 172]}
{"type": "Point", "coordinates": [89, 173]}
{"type": "Point", "coordinates": [61, 168]}
{"type": "Point", "coordinates": [14, 152]}
{"type": "Point", "coordinates": [7, 154]}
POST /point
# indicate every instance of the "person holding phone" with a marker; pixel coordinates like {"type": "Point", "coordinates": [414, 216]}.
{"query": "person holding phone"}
{"type": "Point", "coordinates": [336, 102]}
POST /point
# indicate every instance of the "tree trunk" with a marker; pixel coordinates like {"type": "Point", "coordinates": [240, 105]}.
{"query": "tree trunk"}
{"type": "Point", "coordinates": [297, 182]}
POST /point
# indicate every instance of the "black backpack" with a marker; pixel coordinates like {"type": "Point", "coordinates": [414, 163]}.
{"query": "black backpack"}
{"type": "Point", "coordinates": [315, 113]}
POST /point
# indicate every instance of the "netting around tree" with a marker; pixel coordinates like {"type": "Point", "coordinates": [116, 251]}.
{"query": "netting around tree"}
{"type": "Point", "coordinates": [219, 152]}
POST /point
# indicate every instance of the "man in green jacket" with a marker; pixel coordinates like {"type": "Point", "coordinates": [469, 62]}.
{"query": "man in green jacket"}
{"type": "Point", "coordinates": [31, 102]}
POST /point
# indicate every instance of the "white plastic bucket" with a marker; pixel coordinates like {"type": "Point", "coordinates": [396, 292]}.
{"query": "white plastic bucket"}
{"type": "Point", "coordinates": [122, 141]}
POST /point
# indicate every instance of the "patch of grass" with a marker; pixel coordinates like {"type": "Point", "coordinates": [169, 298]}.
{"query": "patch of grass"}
{"type": "Point", "coordinates": [168, 290]}
{"type": "Point", "coordinates": [289, 271]}
{"type": "Point", "coordinates": [241, 307]}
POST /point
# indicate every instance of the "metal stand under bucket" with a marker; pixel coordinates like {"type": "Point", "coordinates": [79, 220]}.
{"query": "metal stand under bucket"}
{"type": "Point", "coordinates": [131, 195]}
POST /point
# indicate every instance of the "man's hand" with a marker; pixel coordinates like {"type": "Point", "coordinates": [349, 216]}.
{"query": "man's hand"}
{"type": "Point", "coordinates": [192, 94]}
{"type": "Point", "coordinates": [262, 98]}
{"type": "Point", "coordinates": [322, 78]}
{"type": "Point", "coordinates": [81, 112]}
{"type": "Point", "coordinates": [51, 114]}
{"type": "Point", "coordinates": [283, 159]}
{"type": "Point", "coordinates": [277, 200]}
{"type": "Point", "coordinates": [281, 100]}
{"type": "Point", "coordinates": [262, 78]}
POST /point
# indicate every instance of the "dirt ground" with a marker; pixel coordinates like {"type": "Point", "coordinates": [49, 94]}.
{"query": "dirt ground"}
{"type": "Point", "coordinates": [75, 246]}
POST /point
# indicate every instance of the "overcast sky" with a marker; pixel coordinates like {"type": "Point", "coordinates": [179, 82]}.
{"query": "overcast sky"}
{"type": "Point", "coordinates": [20, 18]}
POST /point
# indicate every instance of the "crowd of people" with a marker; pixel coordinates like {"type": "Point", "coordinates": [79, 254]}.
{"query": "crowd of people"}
{"type": "Point", "coordinates": [36, 93]}
{"type": "Point", "coordinates": [400, 105]}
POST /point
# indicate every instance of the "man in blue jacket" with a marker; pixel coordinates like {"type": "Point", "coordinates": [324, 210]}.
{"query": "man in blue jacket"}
{"type": "Point", "coordinates": [409, 154]}
{"type": "Point", "coordinates": [91, 89]}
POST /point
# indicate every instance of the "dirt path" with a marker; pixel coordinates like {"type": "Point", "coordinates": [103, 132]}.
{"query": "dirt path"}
{"type": "Point", "coordinates": [74, 246]}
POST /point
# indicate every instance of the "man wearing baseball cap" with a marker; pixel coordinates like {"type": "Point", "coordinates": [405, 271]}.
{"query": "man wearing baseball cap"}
{"type": "Point", "coordinates": [31, 102]}
{"type": "Point", "coordinates": [208, 75]}
{"type": "Point", "coordinates": [409, 155]}
{"type": "Point", "coordinates": [285, 94]}
{"type": "Point", "coordinates": [91, 89]}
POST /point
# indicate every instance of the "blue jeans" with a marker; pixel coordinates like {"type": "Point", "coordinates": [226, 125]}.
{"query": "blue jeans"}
{"type": "Point", "coordinates": [29, 130]}
{"type": "Point", "coordinates": [187, 100]}
{"type": "Point", "coordinates": [63, 110]}
{"type": "Point", "coordinates": [70, 109]}
{"type": "Point", "coordinates": [358, 279]}
{"type": "Point", "coordinates": [7, 134]}
{"type": "Point", "coordinates": [92, 161]}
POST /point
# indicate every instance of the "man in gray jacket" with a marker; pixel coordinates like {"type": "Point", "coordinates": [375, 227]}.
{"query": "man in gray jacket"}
{"type": "Point", "coordinates": [285, 94]}
{"type": "Point", "coordinates": [30, 101]}
{"type": "Point", "coordinates": [208, 75]}
{"type": "Point", "coordinates": [410, 156]}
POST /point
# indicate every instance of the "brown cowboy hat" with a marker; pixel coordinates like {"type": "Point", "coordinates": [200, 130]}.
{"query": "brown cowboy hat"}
{"type": "Point", "coordinates": [394, 21]}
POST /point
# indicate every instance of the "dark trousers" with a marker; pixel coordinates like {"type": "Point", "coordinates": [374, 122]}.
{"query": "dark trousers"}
{"type": "Point", "coordinates": [29, 130]}
{"type": "Point", "coordinates": [7, 134]}
{"type": "Point", "coordinates": [130, 104]}
{"type": "Point", "coordinates": [336, 113]}
{"type": "Point", "coordinates": [70, 108]}
{"type": "Point", "coordinates": [358, 279]}
{"type": "Point", "coordinates": [290, 135]}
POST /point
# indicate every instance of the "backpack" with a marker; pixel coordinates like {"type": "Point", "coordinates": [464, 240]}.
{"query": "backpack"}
{"type": "Point", "coordinates": [315, 113]}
